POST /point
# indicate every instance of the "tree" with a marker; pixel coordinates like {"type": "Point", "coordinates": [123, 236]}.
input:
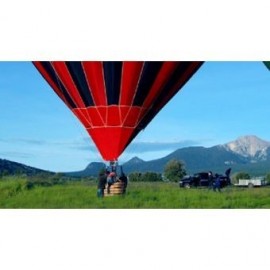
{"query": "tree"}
{"type": "Point", "coordinates": [135, 177]}
{"type": "Point", "coordinates": [4, 173]}
{"type": "Point", "coordinates": [152, 177]}
{"type": "Point", "coordinates": [267, 178]}
{"type": "Point", "coordinates": [145, 177]}
{"type": "Point", "coordinates": [174, 170]}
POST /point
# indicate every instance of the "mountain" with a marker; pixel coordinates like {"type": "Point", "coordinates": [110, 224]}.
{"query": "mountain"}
{"type": "Point", "coordinates": [248, 153]}
{"type": "Point", "coordinates": [11, 167]}
{"type": "Point", "coordinates": [91, 170]}
{"type": "Point", "coordinates": [195, 159]}
{"type": "Point", "coordinates": [250, 146]}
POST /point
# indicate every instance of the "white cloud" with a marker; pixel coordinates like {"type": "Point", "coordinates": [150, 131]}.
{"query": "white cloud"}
{"type": "Point", "coordinates": [144, 147]}
{"type": "Point", "coordinates": [13, 154]}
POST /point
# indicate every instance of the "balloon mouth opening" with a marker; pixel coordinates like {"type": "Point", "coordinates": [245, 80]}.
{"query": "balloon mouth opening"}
{"type": "Point", "coordinates": [113, 163]}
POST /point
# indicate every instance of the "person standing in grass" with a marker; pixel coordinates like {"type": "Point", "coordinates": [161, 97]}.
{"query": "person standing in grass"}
{"type": "Point", "coordinates": [217, 183]}
{"type": "Point", "coordinates": [210, 179]}
{"type": "Point", "coordinates": [102, 180]}
{"type": "Point", "coordinates": [123, 178]}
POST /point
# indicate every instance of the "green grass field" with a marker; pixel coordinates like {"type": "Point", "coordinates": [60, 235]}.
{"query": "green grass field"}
{"type": "Point", "coordinates": [15, 194]}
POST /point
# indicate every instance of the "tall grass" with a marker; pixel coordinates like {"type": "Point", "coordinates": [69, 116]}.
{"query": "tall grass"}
{"type": "Point", "coordinates": [14, 193]}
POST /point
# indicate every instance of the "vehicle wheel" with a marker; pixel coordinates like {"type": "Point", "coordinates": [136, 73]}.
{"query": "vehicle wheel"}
{"type": "Point", "coordinates": [187, 185]}
{"type": "Point", "coordinates": [250, 185]}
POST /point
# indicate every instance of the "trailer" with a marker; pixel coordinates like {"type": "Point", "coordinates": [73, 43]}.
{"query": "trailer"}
{"type": "Point", "coordinates": [253, 182]}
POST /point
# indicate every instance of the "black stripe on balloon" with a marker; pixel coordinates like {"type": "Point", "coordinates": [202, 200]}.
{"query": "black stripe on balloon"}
{"type": "Point", "coordinates": [76, 71]}
{"type": "Point", "coordinates": [112, 77]}
{"type": "Point", "coordinates": [52, 74]}
{"type": "Point", "coordinates": [148, 76]}
{"type": "Point", "coordinates": [166, 94]}
{"type": "Point", "coordinates": [157, 103]}
{"type": "Point", "coordinates": [157, 107]}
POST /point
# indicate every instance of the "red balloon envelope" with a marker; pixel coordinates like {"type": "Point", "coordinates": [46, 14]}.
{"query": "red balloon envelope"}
{"type": "Point", "coordinates": [116, 100]}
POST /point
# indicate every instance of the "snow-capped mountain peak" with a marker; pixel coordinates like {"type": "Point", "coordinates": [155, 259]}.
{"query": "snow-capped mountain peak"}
{"type": "Point", "coordinates": [248, 146]}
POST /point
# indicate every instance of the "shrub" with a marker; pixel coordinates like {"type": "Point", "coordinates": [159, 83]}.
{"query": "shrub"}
{"type": "Point", "coordinates": [145, 177]}
{"type": "Point", "coordinates": [152, 177]}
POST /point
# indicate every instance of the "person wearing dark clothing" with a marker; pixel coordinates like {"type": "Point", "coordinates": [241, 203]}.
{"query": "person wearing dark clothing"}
{"type": "Point", "coordinates": [123, 178]}
{"type": "Point", "coordinates": [217, 184]}
{"type": "Point", "coordinates": [210, 179]}
{"type": "Point", "coordinates": [227, 173]}
{"type": "Point", "coordinates": [102, 180]}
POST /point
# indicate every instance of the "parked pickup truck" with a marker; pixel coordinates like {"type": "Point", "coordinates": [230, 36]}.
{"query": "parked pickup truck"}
{"type": "Point", "coordinates": [205, 179]}
{"type": "Point", "coordinates": [253, 182]}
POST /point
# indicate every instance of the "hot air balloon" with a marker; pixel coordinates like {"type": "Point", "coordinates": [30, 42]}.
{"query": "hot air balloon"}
{"type": "Point", "coordinates": [116, 100]}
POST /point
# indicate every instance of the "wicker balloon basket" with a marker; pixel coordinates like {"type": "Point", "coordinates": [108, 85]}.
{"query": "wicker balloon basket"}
{"type": "Point", "coordinates": [118, 188]}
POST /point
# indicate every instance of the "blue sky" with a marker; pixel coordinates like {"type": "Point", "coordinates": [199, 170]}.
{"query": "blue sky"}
{"type": "Point", "coordinates": [222, 101]}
